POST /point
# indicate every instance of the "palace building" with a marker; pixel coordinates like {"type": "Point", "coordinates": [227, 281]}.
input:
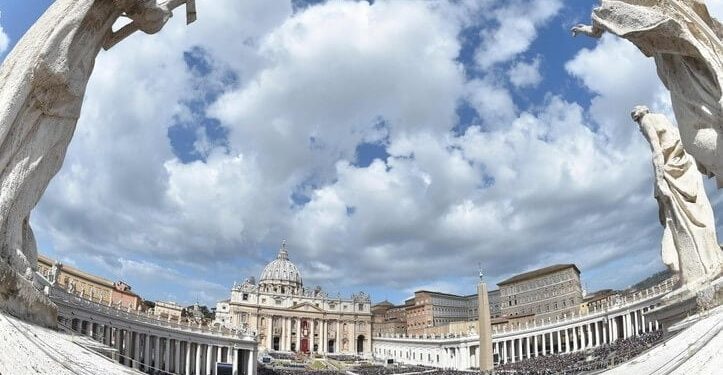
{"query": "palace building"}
{"type": "Point", "coordinates": [550, 292]}
{"type": "Point", "coordinates": [289, 317]}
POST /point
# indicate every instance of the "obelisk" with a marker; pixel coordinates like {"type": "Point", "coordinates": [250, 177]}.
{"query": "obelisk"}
{"type": "Point", "coordinates": [485, 327]}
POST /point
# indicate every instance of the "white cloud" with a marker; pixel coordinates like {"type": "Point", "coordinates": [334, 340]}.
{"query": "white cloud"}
{"type": "Point", "coordinates": [4, 39]}
{"type": "Point", "coordinates": [620, 77]}
{"type": "Point", "coordinates": [492, 101]}
{"type": "Point", "coordinates": [525, 74]}
{"type": "Point", "coordinates": [516, 22]}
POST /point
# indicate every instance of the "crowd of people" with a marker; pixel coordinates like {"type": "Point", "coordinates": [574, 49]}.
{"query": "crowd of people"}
{"type": "Point", "coordinates": [343, 357]}
{"type": "Point", "coordinates": [450, 372]}
{"type": "Point", "coordinates": [268, 370]}
{"type": "Point", "coordinates": [574, 363]}
{"type": "Point", "coordinates": [388, 370]}
{"type": "Point", "coordinates": [286, 356]}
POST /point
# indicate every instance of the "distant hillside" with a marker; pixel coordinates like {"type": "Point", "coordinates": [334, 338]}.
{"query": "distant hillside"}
{"type": "Point", "coordinates": [654, 279]}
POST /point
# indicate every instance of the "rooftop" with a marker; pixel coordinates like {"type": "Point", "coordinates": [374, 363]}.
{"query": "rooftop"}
{"type": "Point", "coordinates": [538, 273]}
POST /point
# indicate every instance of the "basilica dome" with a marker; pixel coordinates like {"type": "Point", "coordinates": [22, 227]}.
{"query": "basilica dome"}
{"type": "Point", "coordinates": [281, 275]}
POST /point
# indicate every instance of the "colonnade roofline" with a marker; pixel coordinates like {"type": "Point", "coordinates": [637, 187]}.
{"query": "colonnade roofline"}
{"type": "Point", "coordinates": [77, 306]}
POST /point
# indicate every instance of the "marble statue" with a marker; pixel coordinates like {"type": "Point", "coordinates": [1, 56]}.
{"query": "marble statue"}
{"type": "Point", "coordinates": [42, 84]}
{"type": "Point", "coordinates": [689, 246]}
{"type": "Point", "coordinates": [55, 273]}
{"type": "Point", "coordinates": [687, 46]}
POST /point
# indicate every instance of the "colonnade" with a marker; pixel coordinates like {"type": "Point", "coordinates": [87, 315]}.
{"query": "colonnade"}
{"type": "Point", "coordinates": [572, 338]}
{"type": "Point", "coordinates": [147, 351]}
{"type": "Point", "coordinates": [567, 335]}
{"type": "Point", "coordinates": [449, 355]}
{"type": "Point", "coordinates": [147, 345]}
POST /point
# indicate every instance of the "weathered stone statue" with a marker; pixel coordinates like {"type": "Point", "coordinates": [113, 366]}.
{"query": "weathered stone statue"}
{"type": "Point", "coordinates": [686, 44]}
{"type": "Point", "coordinates": [42, 83]}
{"type": "Point", "coordinates": [689, 246]}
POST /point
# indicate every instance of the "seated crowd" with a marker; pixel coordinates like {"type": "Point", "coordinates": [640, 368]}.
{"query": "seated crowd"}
{"type": "Point", "coordinates": [343, 357]}
{"type": "Point", "coordinates": [573, 363]}
{"type": "Point", "coordinates": [278, 355]}
{"type": "Point", "coordinates": [267, 370]}
{"type": "Point", "coordinates": [388, 370]}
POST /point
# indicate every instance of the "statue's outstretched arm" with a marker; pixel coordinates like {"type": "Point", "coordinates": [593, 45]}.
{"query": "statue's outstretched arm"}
{"type": "Point", "coordinates": [147, 16]}
{"type": "Point", "coordinates": [593, 31]}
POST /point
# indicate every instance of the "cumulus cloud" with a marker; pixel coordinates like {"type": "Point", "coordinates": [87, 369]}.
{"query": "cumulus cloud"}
{"type": "Point", "coordinates": [492, 101]}
{"type": "Point", "coordinates": [525, 74]}
{"type": "Point", "coordinates": [516, 26]}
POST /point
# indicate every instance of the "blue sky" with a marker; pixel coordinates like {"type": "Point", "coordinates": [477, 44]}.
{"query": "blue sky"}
{"type": "Point", "coordinates": [394, 146]}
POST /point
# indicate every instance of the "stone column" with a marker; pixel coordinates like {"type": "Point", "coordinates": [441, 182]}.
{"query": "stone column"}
{"type": "Point", "coordinates": [146, 351]}
{"type": "Point", "coordinates": [567, 340]}
{"type": "Point", "coordinates": [504, 351]}
{"type": "Point", "coordinates": [136, 350]}
{"type": "Point", "coordinates": [337, 341]}
{"type": "Point", "coordinates": [353, 336]}
{"type": "Point", "coordinates": [117, 343]}
{"type": "Point", "coordinates": [282, 334]}
{"type": "Point", "coordinates": [643, 324]}
{"type": "Point", "coordinates": [106, 335]}
{"type": "Point", "coordinates": [519, 348]}
{"type": "Point", "coordinates": [199, 350]}
{"type": "Point", "coordinates": [176, 356]}
{"type": "Point", "coordinates": [167, 355]}
{"type": "Point", "coordinates": [529, 347]}
{"type": "Point", "coordinates": [323, 336]}
{"type": "Point", "coordinates": [536, 345]}
{"type": "Point", "coordinates": [157, 352]}
{"type": "Point", "coordinates": [219, 354]}
{"type": "Point", "coordinates": [270, 336]}
{"type": "Point", "coordinates": [252, 362]}
{"type": "Point", "coordinates": [298, 334]}
{"type": "Point", "coordinates": [235, 362]}
{"type": "Point", "coordinates": [583, 341]}
{"type": "Point", "coordinates": [188, 358]}
{"type": "Point", "coordinates": [544, 344]}
{"type": "Point", "coordinates": [636, 324]}
{"type": "Point", "coordinates": [288, 335]}
{"type": "Point", "coordinates": [209, 357]}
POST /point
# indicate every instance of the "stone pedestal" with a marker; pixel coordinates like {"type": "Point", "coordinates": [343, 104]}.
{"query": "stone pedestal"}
{"type": "Point", "coordinates": [19, 298]}
{"type": "Point", "coordinates": [683, 305]}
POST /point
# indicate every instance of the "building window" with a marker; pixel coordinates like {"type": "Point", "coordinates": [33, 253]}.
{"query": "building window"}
{"type": "Point", "coordinates": [245, 297]}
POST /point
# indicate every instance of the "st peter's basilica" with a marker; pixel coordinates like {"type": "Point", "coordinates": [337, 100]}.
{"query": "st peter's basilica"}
{"type": "Point", "coordinates": [291, 318]}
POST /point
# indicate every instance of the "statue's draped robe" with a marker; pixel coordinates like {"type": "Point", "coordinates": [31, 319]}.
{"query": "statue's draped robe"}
{"type": "Point", "coordinates": [42, 83]}
{"type": "Point", "coordinates": [685, 42]}
{"type": "Point", "coordinates": [689, 245]}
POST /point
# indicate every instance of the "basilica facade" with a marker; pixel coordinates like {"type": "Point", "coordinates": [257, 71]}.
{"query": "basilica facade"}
{"type": "Point", "coordinates": [288, 317]}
